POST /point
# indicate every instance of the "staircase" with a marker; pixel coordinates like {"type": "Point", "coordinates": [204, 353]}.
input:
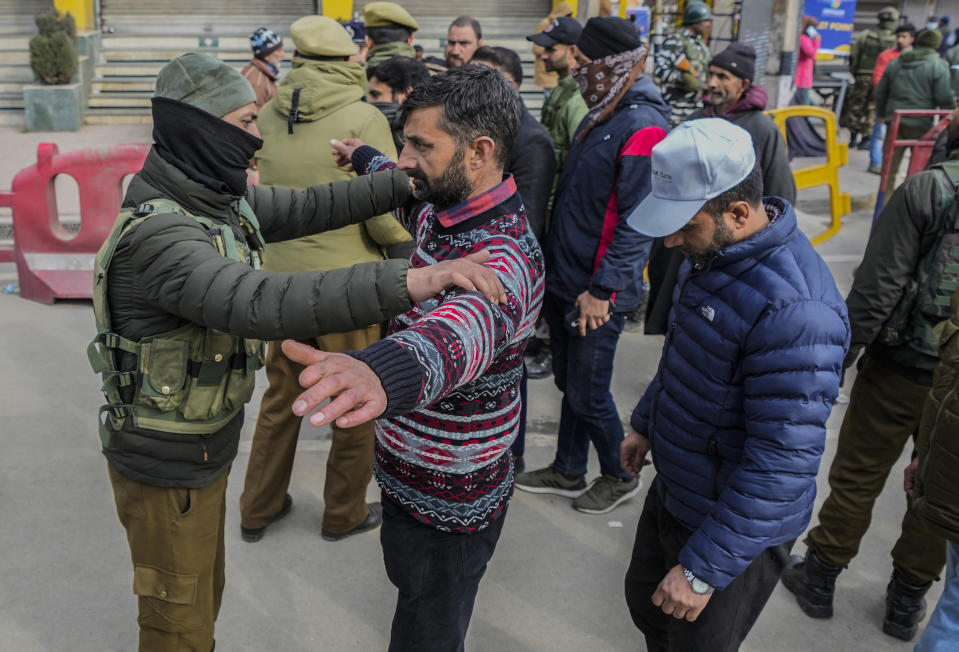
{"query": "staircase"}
{"type": "Point", "coordinates": [126, 72]}
{"type": "Point", "coordinates": [15, 73]}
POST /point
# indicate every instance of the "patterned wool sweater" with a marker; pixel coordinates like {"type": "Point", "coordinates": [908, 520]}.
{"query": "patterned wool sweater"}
{"type": "Point", "coordinates": [451, 366]}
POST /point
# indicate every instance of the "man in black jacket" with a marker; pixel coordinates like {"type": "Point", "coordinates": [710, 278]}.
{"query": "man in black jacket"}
{"type": "Point", "coordinates": [180, 306]}
{"type": "Point", "coordinates": [532, 161]}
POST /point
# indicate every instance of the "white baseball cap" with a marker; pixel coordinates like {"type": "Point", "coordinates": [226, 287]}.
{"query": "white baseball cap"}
{"type": "Point", "coordinates": [698, 161]}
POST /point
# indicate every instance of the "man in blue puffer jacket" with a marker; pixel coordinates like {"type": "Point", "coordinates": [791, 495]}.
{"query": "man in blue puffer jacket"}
{"type": "Point", "coordinates": [594, 260]}
{"type": "Point", "coordinates": [736, 414]}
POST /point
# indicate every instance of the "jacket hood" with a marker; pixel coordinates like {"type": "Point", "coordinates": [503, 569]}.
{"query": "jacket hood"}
{"type": "Point", "coordinates": [782, 224]}
{"type": "Point", "coordinates": [915, 56]}
{"type": "Point", "coordinates": [325, 87]}
{"type": "Point", "coordinates": [754, 99]}
{"type": "Point", "coordinates": [644, 91]}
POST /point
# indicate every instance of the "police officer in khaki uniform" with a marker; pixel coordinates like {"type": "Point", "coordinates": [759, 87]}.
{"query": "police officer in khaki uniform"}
{"type": "Point", "coordinates": [859, 111]}
{"type": "Point", "coordinates": [389, 32]}
{"type": "Point", "coordinates": [180, 307]}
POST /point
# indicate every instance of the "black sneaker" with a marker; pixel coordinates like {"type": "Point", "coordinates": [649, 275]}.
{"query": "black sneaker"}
{"type": "Point", "coordinates": [254, 534]}
{"type": "Point", "coordinates": [541, 366]}
{"type": "Point", "coordinates": [372, 520]}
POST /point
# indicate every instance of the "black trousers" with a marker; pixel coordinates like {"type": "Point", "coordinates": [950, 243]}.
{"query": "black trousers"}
{"type": "Point", "coordinates": [730, 613]}
{"type": "Point", "coordinates": [437, 574]}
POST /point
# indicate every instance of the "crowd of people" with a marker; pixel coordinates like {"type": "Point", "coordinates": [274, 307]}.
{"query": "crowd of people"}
{"type": "Point", "coordinates": [419, 246]}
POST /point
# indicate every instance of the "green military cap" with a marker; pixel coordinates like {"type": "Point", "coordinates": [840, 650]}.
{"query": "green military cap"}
{"type": "Point", "coordinates": [320, 36]}
{"type": "Point", "coordinates": [206, 83]}
{"type": "Point", "coordinates": [388, 14]}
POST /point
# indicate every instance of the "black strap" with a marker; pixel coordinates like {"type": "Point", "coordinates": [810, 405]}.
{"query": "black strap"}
{"type": "Point", "coordinates": [294, 111]}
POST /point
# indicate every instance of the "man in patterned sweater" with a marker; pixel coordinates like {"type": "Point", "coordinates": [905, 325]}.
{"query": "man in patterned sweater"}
{"type": "Point", "coordinates": [444, 384]}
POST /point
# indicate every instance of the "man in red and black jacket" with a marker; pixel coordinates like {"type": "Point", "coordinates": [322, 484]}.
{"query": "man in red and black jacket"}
{"type": "Point", "coordinates": [594, 260]}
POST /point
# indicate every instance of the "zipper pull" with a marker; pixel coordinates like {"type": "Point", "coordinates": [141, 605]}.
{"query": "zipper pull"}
{"type": "Point", "coordinates": [206, 457]}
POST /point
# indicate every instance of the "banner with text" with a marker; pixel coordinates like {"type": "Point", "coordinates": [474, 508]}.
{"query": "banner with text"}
{"type": "Point", "coordinates": [836, 18]}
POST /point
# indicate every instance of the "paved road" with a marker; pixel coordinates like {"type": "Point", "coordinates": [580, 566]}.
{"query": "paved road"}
{"type": "Point", "coordinates": [555, 582]}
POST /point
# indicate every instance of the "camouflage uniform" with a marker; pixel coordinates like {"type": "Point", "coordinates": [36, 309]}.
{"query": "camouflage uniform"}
{"type": "Point", "coordinates": [682, 88]}
{"type": "Point", "coordinates": [859, 111]}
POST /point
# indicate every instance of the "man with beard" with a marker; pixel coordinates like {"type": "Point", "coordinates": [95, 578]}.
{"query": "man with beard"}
{"type": "Point", "coordinates": [389, 85]}
{"type": "Point", "coordinates": [595, 260]}
{"type": "Point", "coordinates": [444, 384]}
{"type": "Point", "coordinates": [565, 108]}
{"type": "Point", "coordinates": [181, 306]}
{"type": "Point", "coordinates": [462, 39]}
{"type": "Point", "coordinates": [736, 414]}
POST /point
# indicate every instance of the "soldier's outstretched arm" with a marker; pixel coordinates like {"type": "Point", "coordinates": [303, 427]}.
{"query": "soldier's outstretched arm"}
{"type": "Point", "coordinates": [182, 272]}
{"type": "Point", "coordinates": [285, 214]}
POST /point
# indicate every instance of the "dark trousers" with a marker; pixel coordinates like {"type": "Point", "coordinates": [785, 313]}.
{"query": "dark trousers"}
{"type": "Point", "coordinates": [883, 414]}
{"type": "Point", "coordinates": [583, 371]}
{"type": "Point", "coordinates": [730, 613]}
{"type": "Point", "coordinates": [437, 574]}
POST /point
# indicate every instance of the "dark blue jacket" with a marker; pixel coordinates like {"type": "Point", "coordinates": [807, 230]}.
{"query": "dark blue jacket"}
{"type": "Point", "coordinates": [606, 175]}
{"type": "Point", "coordinates": [736, 414]}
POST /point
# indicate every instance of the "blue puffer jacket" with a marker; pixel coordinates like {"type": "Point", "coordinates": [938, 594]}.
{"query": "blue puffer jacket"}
{"type": "Point", "coordinates": [590, 246]}
{"type": "Point", "coordinates": [736, 415]}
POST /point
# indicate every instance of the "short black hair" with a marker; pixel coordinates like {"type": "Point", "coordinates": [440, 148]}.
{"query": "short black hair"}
{"type": "Point", "coordinates": [477, 101]}
{"type": "Point", "coordinates": [908, 28]}
{"type": "Point", "coordinates": [381, 35]}
{"type": "Point", "coordinates": [469, 21]}
{"type": "Point", "coordinates": [749, 190]}
{"type": "Point", "coordinates": [506, 60]}
{"type": "Point", "coordinates": [400, 73]}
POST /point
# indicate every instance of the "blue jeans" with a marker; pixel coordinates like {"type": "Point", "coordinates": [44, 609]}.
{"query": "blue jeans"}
{"type": "Point", "coordinates": [583, 371]}
{"type": "Point", "coordinates": [876, 141]}
{"type": "Point", "coordinates": [942, 631]}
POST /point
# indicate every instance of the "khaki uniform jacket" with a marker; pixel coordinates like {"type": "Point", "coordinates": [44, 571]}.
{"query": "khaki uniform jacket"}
{"type": "Point", "coordinates": [329, 106]}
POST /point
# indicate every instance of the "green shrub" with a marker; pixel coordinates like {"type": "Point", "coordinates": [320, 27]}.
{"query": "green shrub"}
{"type": "Point", "coordinates": [53, 52]}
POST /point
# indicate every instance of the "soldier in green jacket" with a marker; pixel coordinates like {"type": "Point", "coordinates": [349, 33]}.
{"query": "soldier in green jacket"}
{"type": "Point", "coordinates": [858, 113]}
{"type": "Point", "coordinates": [931, 481]}
{"type": "Point", "coordinates": [389, 32]}
{"type": "Point", "coordinates": [565, 107]}
{"type": "Point", "coordinates": [181, 306]}
{"type": "Point", "coordinates": [681, 64]}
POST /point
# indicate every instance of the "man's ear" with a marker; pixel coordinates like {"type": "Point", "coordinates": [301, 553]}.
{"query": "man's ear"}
{"type": "Point", "coordinates": [369, 41]}
{"type": "Point", "coordinates": [409, 39]}
{"type": "Point", "coordinates": [746, 85]}
{"type": "Point", "coordinates": [481, 152]}
{"type": "Point", "coordinates": [740, 212]}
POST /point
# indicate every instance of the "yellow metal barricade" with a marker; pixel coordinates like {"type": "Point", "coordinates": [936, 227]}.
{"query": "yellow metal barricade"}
{"type": "Point", "coordinates": [837, 155]}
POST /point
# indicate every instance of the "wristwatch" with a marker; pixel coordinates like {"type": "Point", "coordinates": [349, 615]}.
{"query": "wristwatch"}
{"type": "Point", "coordinates": [697, 584]}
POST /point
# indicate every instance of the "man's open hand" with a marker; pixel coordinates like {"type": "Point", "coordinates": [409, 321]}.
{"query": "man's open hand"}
{"type": "Point", "coordinates": [358, 392]}
{"type": "Point", "coordinates": [468, 273]}
{"type": "Point", "coordinates": [593, 312]}
{"type": "Point", "coordinates": [909, 477]}
{"type": "Point", "coordinates": [343, 151]}
{"type": "Point", "coordinates": [676, 597]}
{"type": "Point", "coordinates": [632, 453]}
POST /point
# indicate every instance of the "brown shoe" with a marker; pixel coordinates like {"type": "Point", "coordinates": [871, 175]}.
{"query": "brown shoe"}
{"type": "Point", "coordinates": [372, 521]}
{"type": "Point", "coordinates": [254, 534]}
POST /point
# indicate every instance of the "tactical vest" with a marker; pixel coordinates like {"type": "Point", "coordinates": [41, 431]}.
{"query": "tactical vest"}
{"type": "Point", "coordinates": [926, 299]}
{"type": "Point", "coordinates": [191, 380]}
{"type": "Point", "coordinates": [875, 43]}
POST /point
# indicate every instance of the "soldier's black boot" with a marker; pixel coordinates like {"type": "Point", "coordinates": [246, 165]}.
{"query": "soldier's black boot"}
{"type": "Point", "coordinates": [813, 582]}
{"type": "Point", "coordinates": [905, 607]}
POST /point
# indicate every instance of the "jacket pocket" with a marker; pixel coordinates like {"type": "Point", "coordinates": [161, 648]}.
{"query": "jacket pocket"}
{"type": "Point", "coordinates": [210, 371]}
{"type": "Point", "coordinates": [163, 372]}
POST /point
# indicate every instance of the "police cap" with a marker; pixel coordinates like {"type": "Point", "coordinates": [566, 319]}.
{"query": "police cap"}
{"type": "Point", "coordinates": [320, 36]}
{"type": "Point", "coordinates": [388, 14]}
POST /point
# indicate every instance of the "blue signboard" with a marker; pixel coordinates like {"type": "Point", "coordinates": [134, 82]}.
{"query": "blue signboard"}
{"type": "Point", "coordinates": [641, 18]}
{"type": "Point", "coordinates": [836, 18]}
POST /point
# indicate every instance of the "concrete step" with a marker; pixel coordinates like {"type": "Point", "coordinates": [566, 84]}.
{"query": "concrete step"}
{"type": "Point", "coordinates": [124, 84]}
{"type": "Point", "coordinates": [15, 42]}
{"type": "Point", "coordinates": [11, 101]}
{"type": "Point", "coordinates": [12, 86]}
{"type": "Point", "coordinates": [117, 117]}
{"type": "Point", "coordinates": [138, 99]}
{"type": "Point", "coordinates": [16, 73]}
{"type": "Point", "coordinates": [11, 117]}
{"type": "Point", "coordinates": [163, 41]}
{"type": "Point", "coordinates": [14, 55]}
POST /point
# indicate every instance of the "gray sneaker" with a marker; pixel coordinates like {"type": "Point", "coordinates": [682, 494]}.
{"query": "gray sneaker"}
{"type": "Point", "coordinates": [606, 493]}
{"type": "Point", "coordinates": [551, 481]}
